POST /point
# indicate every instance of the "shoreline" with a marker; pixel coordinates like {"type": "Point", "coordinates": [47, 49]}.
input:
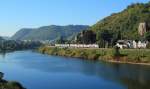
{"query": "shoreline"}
{"type": "Point", "coordinates": [130, 56]}
{"type": "Point", "coordinates": [121, 62]}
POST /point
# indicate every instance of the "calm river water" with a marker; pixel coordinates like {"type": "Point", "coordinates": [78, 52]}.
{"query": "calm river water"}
{"type": "Point", "coordinates": [38, 71]}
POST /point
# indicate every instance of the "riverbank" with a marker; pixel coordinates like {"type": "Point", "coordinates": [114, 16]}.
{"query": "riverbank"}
{"type": "Point", "coordinates": [132, 56]}
{"type": "Point", "coordinates": [4, 84]}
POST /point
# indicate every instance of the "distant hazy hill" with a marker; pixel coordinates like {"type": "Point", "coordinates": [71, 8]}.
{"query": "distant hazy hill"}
{"type": "Point", "coordinates": [126, 22]}
{"type": "Point", "coordinates": [52, 32]}
{"type": "Point", "coordinates": [6, 38]}
{"type": "Point", "coordinates": [1, 38]}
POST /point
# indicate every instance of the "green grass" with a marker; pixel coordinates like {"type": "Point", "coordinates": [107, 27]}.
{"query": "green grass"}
{"type": "Point", "coordinates": [126, 55]}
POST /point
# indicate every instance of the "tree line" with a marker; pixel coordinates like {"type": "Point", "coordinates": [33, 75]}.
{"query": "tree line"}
{"type": "Point", "coordinates": [10, 45]}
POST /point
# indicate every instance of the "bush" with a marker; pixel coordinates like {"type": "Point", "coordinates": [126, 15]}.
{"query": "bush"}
{"type": "Point", "coordinates": [116, 51]}
{"type": "Point", "coordinates": [1, 75]}
{"type": "Point", "coordinates": [9, 85]}
{"type": "Point", "coordinates": [14, 85]}
{"type": "Point", "coordinates": [148, 45]}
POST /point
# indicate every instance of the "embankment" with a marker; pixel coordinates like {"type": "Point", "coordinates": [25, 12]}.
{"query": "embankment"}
{"type": "Point", "coordinates": [133, 56]}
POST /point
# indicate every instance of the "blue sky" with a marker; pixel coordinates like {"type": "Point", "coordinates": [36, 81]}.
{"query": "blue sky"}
{"type": "Point", "coordinates": [16, 14]}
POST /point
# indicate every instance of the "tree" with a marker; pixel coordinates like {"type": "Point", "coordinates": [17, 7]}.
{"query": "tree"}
{"type": "Point", "coordinates": [105, 36]}
{"type": "Point", "coordinates": [1, 76]}
{"type": "Point", "coordinates": [116, 36]}
{"type": "Point", "coordinates": [86, 37]}
{"type": "Point", "coordinates": [147, 36]}
{"type": "Point", "coordinates": [126, 21]}
{"type": "Point", "coordinates": [60, 40]}
{"type": "Point", "coordinates": [116, 51]}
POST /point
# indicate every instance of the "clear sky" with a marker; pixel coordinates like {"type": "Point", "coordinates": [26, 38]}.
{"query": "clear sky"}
{"type": "Point", "coordinates": [16, 14]}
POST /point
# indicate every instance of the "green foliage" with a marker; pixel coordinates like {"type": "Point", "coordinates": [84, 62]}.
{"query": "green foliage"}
{"type": "Point", "coordinates": [116, 51]}
{"type": "Point", "coordinates": [60, 40]}
{"type": "Point", "coordinates": [13, 85]}
{"type": "Point", "coordinates": [125, 55]}
{"type": "Point", "coordinates": [52, 32]}
{"type": "Point", "coordinates": [148, 46]}
{"type": "Point", "coordinates": [101, 43]}
{"type": "Point", "coordinates": [125, 22]}
{"type": "Point", "coordinates": [86, 37]}
{"type": "Point", "coordinates": [147, 36]}
{"type": "Point", "coordinates": [1, 75]}
{"type": "Point", "coordinates": [9, 85]}
{"type": "Point", "coordinates": [11, 45]}
{"type": "Point", "coordinates": [104, 38]}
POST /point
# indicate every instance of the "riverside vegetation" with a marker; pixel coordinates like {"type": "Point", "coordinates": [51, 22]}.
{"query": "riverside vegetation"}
{"type": "Point", "coordinates": [113, 55]}
{"type": "Point", "coordinates": [12, 45]}
{"type": "Point", "coordinates": [9, 84]}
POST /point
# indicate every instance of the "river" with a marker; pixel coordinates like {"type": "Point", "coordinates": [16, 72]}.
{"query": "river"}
{"type": "Point", "coordinates": [37, 71]}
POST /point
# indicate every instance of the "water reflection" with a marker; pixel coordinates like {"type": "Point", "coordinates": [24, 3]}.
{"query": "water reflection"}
{"type": "Point", "coordinates": [129, 76]}
{"type": "Point", "coordinates": [2, 55]}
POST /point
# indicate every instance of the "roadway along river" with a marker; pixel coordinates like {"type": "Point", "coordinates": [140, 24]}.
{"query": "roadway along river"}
{"type": "Point", "coordinates": [38, 71]}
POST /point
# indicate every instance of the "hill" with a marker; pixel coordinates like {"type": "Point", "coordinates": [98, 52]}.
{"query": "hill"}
{"type": "Point", "coordinates": [51, 32]}
{"type": "Point", "coordinates": [126, 22]}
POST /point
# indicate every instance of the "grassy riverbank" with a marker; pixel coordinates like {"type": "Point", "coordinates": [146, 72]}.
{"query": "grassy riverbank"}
{"type": "Point", "coordinates": [125, 56]}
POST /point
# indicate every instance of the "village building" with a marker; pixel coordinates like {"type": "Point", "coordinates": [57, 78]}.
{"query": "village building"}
{"type": "Point", "coordinates": [123, 44]}
{"type": "Point", "coordinates": [131, 44]}
{"type": "Point", "coordinates": [142, 29]}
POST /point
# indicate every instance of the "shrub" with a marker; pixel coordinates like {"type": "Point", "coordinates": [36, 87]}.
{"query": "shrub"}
{"type": "Point", "coordinates": [116, 51]}
{"type": "Point", "coordinates": [1, 75]}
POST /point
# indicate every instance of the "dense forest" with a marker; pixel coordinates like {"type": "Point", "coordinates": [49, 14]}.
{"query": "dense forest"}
{"type": "Point", "coordinates": [12, 45]}
{"type": "Point", "coordinates": [119, 26]}
{"type": "Point", "coordinates": [126, 22]}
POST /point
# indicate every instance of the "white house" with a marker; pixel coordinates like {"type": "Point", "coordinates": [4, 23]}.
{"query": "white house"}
{"type": "Point", "coordinates": [142, 44]}
{"type": "Point", "coordinates": [134, 44]}
{"type": "Point", "coordinates": [122, 44]}
{"type": "Point", "coordinates": [131, 44]}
